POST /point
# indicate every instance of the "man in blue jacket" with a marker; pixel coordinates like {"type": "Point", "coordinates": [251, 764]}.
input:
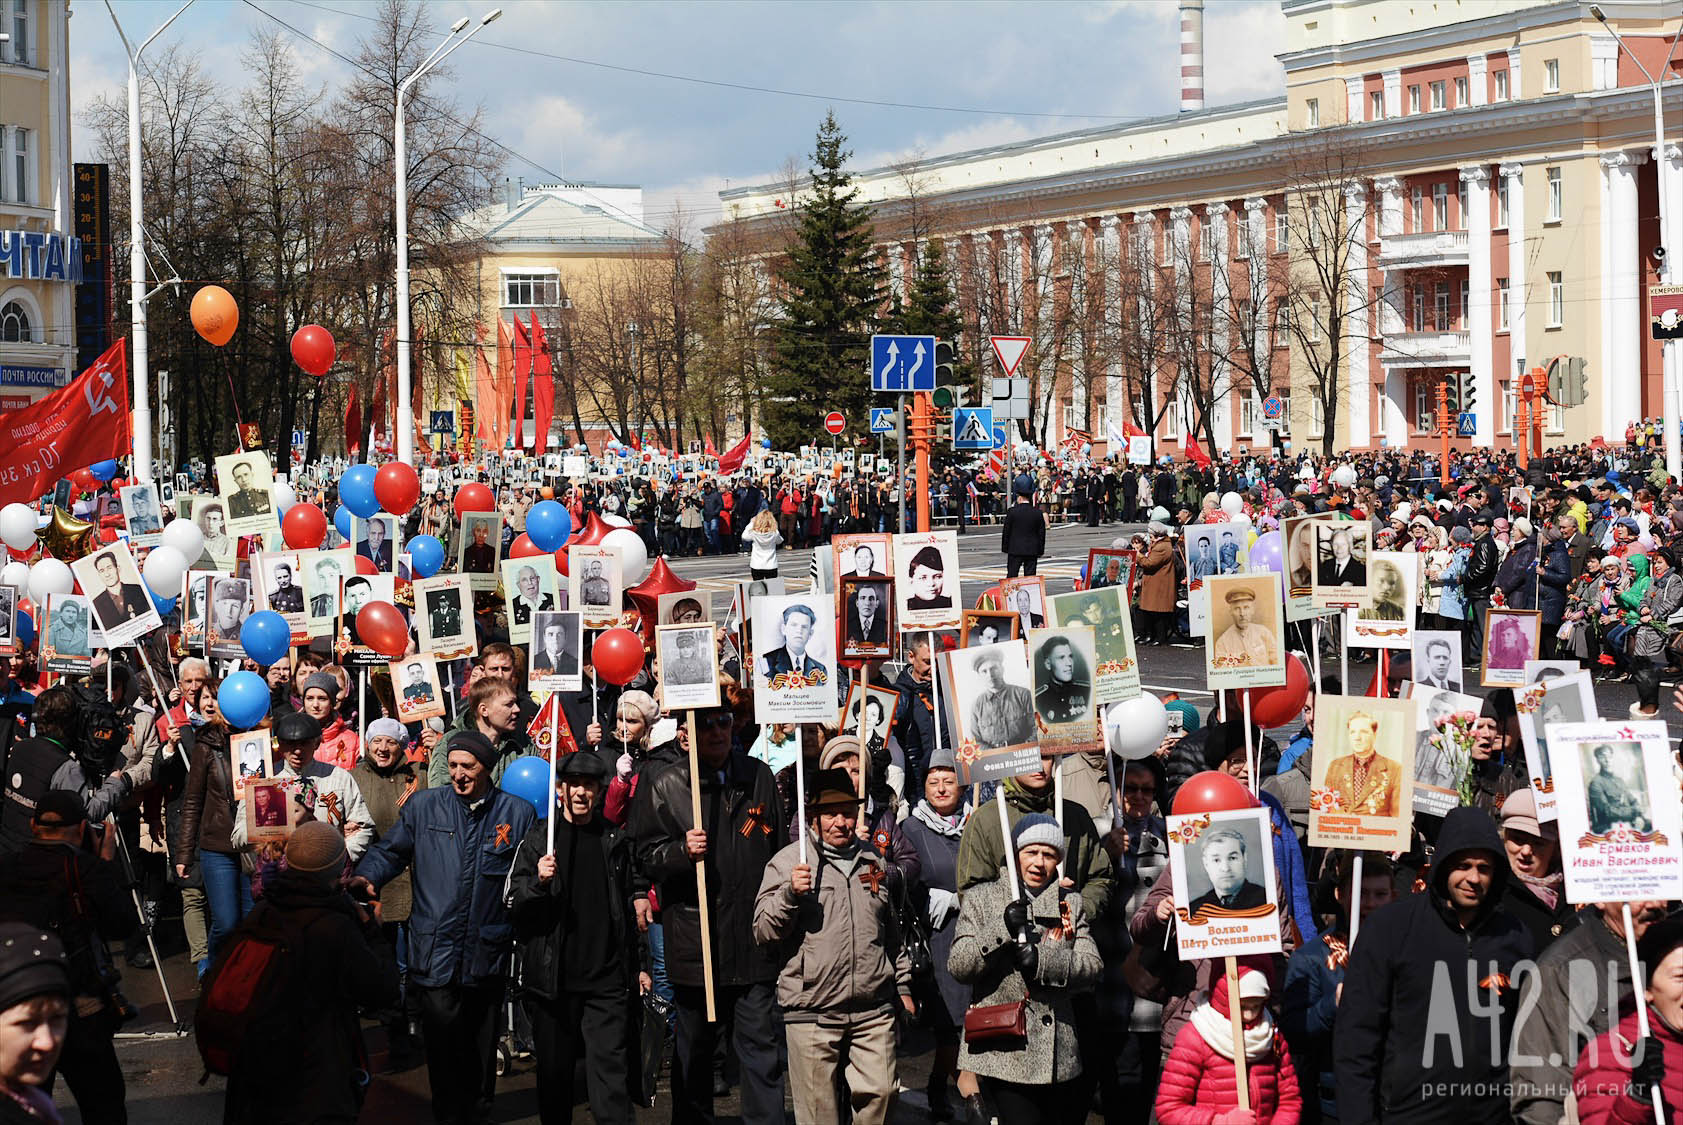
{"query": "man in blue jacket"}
{"type": "Point", "coordinates": [459, 842]}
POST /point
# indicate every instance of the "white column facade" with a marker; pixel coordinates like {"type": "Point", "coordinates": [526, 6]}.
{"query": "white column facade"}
{"type": "Point", "coordinates": [1478, 79]}
{"type": "Point", "coordinates": [981, 261]}
{"type": "Point", "coordinates": [1670, 161]}
{"type": "Point", "coordinates": [1358, 403]}
{"type": "Point", "coordinates": [1111, 258]}
{"type": "Point", "coordinates": [1621, 319]}
{"type": "Point", "coordinates": [1012, 272]}
{"type": "Point", "coordinates": [1518, 284]}
{"type": "Point", "coordinates": [1393, 407]}
{"type": "Point", "coordinates": [1353, 98]}
{"type": "Point", "coordinates": [1479, 319]}
{"type": "Point", "coordinates": [1393, 92]}
{"type": "Point", "coordinates": [1221, 281]}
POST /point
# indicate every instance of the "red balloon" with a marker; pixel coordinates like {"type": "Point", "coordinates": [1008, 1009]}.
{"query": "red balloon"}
{"type": "Point", "coordinates": [523, 548]}
{"type": "Point", "coordinates": [1212, 791]}
{"type": "Point", "coordinates": [84, 480]}
{"type": "Point", "coordinates": [365, 565]}
{"type": "Point", "coordinates": [1277, 706]}
{"type": "Point", "coordinates": [561, 561]}
{"type": "Point", "coordinates": [474, 497]}
{"type": "Point", "coordinates": [26, 606]}
{"type": "Point", "coordinates": [382, 628]}
{"type": "Point", "coordinates": [592, 533]}
{"type": "Point", "coordinates": [304, 527]}
{"type": "Point", "coordinates": [313, 349]}
{"type": "Point", "coordinates": [646, 594]}
{"type": "Point", "coordinates": [617, 656]}
{"type": "Point", "coordinates": [397, 487]}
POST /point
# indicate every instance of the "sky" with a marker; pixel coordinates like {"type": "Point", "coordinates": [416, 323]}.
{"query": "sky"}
{"type": "Point", "coordinates": [607, 92]}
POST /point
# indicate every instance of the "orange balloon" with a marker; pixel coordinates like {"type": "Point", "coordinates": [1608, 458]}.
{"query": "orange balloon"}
{"type": "Point", "coordinates": [215, 315]}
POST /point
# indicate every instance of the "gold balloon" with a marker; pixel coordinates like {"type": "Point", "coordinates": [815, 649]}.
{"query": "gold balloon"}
{"type": "Point", "coordinates": [67, 538]}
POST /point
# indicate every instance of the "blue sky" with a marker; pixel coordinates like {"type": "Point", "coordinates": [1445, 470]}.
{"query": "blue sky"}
{"type": "Point", "coordinates": [1015, 70]}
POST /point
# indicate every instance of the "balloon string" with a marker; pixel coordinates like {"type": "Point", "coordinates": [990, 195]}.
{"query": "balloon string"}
{"type": "Point", "coordinates": [239, 423]}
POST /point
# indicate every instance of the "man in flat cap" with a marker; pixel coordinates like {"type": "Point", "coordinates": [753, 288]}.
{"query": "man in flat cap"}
{"type": "Point", "coordinates": [1003, 714]}
{"type": "Point", "coordinates": [1245, 644]}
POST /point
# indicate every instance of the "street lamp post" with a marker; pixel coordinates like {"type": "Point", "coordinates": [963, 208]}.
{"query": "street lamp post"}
{"type": "Point", "coordinates": [140, 404]}
{"type": "Point", "coordinates": [404, 429]}
{"type": "Point", "coordinates": [636, 388]}
{"type": "Point", "coordinates": [1671, 244]}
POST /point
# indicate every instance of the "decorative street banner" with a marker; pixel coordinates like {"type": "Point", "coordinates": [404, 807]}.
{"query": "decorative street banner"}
{"type": "Point", "coordinates": [87, 421]}
{"type": "Point", "coordinates": [1619, 812]}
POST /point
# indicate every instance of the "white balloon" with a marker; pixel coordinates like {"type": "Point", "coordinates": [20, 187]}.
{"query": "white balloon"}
{"type": "Point", "coordinates": [1135, 728]}
{"type": "Point", "coordinates": [1344, 476]}
{"type": "Point", "coordinates": [163, 570]}
{"type": "Point", "coordinates": [49, 576]}
{"type": "Point", "coordinates": [615, 521]}
{"type": "Point", "coordinates": [15, 573]}
{"type": "Point", "coordinates": [284, 497]}
{"type": "Point", "coordinates": [1231, 504]}
{"type": "Point", "coordinates": [17, 526]}
{"type": "Point", "coordinates": [633, 553]}
{"type": "Point", "coordinates": [184, 536]}
{"type": "Point", "coordinates": [1241, 517]}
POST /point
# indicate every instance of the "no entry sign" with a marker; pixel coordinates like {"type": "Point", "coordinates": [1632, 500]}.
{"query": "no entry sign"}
{"type": "Point", "coordinates": [834, 423]}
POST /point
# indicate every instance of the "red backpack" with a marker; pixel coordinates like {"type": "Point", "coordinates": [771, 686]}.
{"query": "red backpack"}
{"type": "Point", "coordinates": [248, 994]}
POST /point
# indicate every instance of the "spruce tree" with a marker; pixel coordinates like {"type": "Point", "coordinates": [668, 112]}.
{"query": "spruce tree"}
{"type": "Point", "coordinates": [833, 288]}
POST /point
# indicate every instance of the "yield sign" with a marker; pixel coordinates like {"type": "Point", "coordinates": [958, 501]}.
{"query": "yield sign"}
{"type": "Point", "coordinates": [1009, 351]}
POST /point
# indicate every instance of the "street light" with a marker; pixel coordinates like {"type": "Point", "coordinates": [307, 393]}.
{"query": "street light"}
{"type": "Point", "coordinates": [1671, 243]}
{"type": "Point", "coordinates": [137, 254]}
{"type": "Point", "coordinates": [406, 431]}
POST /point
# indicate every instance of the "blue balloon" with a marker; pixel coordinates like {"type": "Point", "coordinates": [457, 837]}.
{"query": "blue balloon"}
{"type": "Point", "coordinates": [26, 629]}
{"type": "Point", "coordinates": [426, 555]}
{"type": "Point", "coordinates": [342, 521]}
{"type": "Point", "coordinates": [356, 491]}
{"type": "Point", "coordinates": [765, 443]}
{"type": "Point", "coordinates": [163, 605]}
{"type": "Point", "coordinates": [104, 470]}
{"type": "Point", "coordinates": [265, 636]}
{"type": "Point", "coordinates": [548, 524]}
{"type": "Point", "coordinates": [244, 699]}
{"type": "Point", "coordinates": [528, 778]}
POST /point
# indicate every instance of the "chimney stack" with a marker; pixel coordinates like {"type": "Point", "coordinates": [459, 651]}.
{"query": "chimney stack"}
{"type": "Point", "coordinates": [1191, 55]}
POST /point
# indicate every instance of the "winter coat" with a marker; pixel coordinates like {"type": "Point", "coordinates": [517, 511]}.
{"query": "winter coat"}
{"type": "Point", "coordinates": [1198, 1084]}
{"type": "Point", "coordinates": [339, 744]}
{"type": "Point", "coordinates": [460, 857]}
{"type": "Point", "coordinates": [538, 912]}
{"type": "Point", "coordinates": [207, 807]}
{"type": "Point", "coordinates": [838, 948]}
{"type": "Point", "coordinates": [938, 855]}
{"type": "Point", "coordinates": [385, 792]}
{"type": "Point", "coordinates": [1023, 531]}
{"type": "Point", "coordinates": [1480, 578]}
{"type": "Point", "coordinates": [1601, 1080]}
{"type": "Point", "coordinates": [914, 725]}
{"type": "Point", "coordinates": [1517, 577]}
{"type": "Point", "coordinates": [1452, 595]}
{"type": "Point", "coordinates": [1158, 585]}
{"type": "Point", "coordinates": [1391, 982]}
{"type": "Point", "coordinates": [1086, 863]}
{"type": "Point", "coordinates": [1664, 598]}
{"type": "Point", "coordinates": [740, 814]}
{"type": "Point", "coordinates": [1544, 925]}
{"type": "Point", "coordinates": [984, 957]}
{"type": "Point", "coordinates": [1308, 1011]}
{"type": "Point", "coordinates": [1553, 577]}
{"type": "Point", "coordinates": [510, 746]}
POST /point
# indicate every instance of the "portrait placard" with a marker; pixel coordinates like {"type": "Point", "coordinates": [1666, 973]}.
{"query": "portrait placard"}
{"type": "Point", "coordinates": [377, 540]}
{"type": "Point", "coordinates": [415, 684]}
{"type": "Point", "coordinates": [245, 484]}
{"type": "Point", "coordinates": [531, 586]}
{"type": "Point", "coordinates": [1343, 549]}
{"type": "Point", "coordinates": [1211, 550]}
{"type": "Point", "coordinates": [992, 706]}
{"type": "Point", "coordinates": [324, 572]}
{"type": "Point", "coordinates": [195, 604]}
{"type": "Point", "coordinates": [8, 620]}
{"type": "Point", "coordinates": [794, 658]}
{"type": "Point", "coordinates": [594, 589]}
{"type": "Point", "coordinates": [1443, 747]}
{"type": "Point", "coordinates": [355, 592]}
{"type": "Point", "coordinates": [879, 704]}
{"type": "Point", "coordinates": [864, 555]}
{"type": "Point", "coordinates": [444, 616]}
{"type": "Point", "coordinates": [557, 652]}
{"type": "Point", "coordinates": [1542, 706]}
{"type": "Point", "coordinates": [248, 758]}
{"type": "Point", "coordinates": [1243, 646]}
{"type": "Point", "coordinates": [1026, 597]}
{"type": "Point", "coordinates": [279, 588]}
{"type": "Point", "coordinates": [230, 605]}
{"type": "Point", "coordinates": [121, 603]}
{"type": "Point", "coordinates": [1617, 804]}
{"type": "Point", "coordinates": [1511, 637]}
{"type": "Point", "coordinates": [926, 586]}
{"type": "Point", "coordinates": [1298, 537]}
{"type": "Point", "coordinates": [270, 811]}
{"type": "Point", "coordinates": [1111, 566]}
{"type": "Point", "coordinates": [686, 659]}
{"type": "Point", "coordinates": [220, 548]}
{"type": "Point", "coordinates": [142, 514]}
{"type": "Point", "coordinates": [1223, 869]}
{"type": "Point", "coordinates": [867, 606]}
{"type": "Point", "coordinates": [67, 643]}
{"type": "Point", "coordinates": [1358, 791]}
{"type": "Point", "coordinates": [682, 607]}
{"type": "Point", "coordinates": [1387, 621]}
{"type": "Point", "coordinates": [478, 549]}
{"type": "Point", "coordinates": [1437, 659]}
{"type": "Point", "coordinates": [987, 627]}
{"type": "Point", "coordinates": [1105, 611]}
{"type": "Point", "coordinates": [1061, 664]}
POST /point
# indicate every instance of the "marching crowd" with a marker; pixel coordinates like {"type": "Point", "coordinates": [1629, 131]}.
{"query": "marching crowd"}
{"type": "Point", "coordinates": [803, 941]}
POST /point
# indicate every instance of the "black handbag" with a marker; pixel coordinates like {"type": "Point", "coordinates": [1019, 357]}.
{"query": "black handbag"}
{"type": "Point", "coordinates": [652, 1042]}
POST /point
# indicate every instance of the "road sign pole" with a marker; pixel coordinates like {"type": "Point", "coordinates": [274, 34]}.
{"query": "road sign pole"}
{"type": "Point", "coordinates": [900, 471]}
{"type": "Point", "coordinates": [1443, 430]}
{"type": "Point", "coordinates": [920, 411]}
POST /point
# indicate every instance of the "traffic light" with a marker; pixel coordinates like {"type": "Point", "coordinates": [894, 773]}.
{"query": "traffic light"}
{"type": "Point", "coordinates": [1577, 381]}
{"type": "Point", "coordinates": [947, 395]}
{"type": "Point", "coordinates": [1469, 394]}
{"type": "Point", "coordinates": [1452, 395]}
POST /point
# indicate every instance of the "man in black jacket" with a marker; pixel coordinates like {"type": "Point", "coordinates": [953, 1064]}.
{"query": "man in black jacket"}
{"type": "Point", "coordinates": [741, 828]}
{"type": "Point", "coordinates": [1477, 582]}
{"type": "Point", "coordinates": [1022, 535]}
{"type": "Point", "coordinates": [1400, 1057]}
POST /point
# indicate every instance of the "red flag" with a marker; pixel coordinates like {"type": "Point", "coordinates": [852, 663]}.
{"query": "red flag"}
{"type": "Point", "coordinates": [376, 419]}
{"type": "Point", "coordinates": [1131, 430]}
{"type": "Point", "coordinates": [85, 421]}
{"type": "Point", "coordinates": [732, 458]}
{"type": "Point", "coordinates": [353, 421]}
{"type": "Point", "coordinates": [522, 374]}
{"type": "Point", "coordinates": [708, 447]}
{"type": "Point", "coordinates": [504, 386]}
{"type": "Point", "coordinates": [1195, 453]}
{"type": "Point", "coordinates": [543, 385]}
{"type": "Point", "coordinates": [484, 387]}
{"type": "Point", "coordinates": [636, 443]}
{"type": "Point", "coordinates": [538, 729]}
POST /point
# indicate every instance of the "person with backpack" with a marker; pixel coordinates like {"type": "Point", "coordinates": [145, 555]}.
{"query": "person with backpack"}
{"type": "Point", "coordinates": [285, 994]}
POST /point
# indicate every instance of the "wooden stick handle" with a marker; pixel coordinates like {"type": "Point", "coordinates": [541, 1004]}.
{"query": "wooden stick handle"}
{"type": "Point", "coordinates": [701, 876]}
{"type": "Point", "coordinates": [1237, 1015]}
{"type": "Point", "coordinates": [864, 757]}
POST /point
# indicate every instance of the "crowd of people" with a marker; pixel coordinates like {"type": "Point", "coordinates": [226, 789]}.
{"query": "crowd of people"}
{"type": "Point", "coordinates": [797, 935]}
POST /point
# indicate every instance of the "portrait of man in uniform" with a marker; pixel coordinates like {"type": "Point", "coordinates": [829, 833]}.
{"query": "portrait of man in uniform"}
{"type": "Point", "coordinates": [1002, 713]}
{"type": "Point", "coordinates": [1364, 780]}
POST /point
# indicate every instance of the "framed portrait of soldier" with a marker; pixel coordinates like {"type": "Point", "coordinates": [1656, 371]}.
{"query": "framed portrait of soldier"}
{"type": "Point", "coordinates": [1617, 804]}
{"type": "Point", "coordinates": [689, 671]}
{"type": "Point", "coordinates": [594, 589]}
{"type": "Point", "coordinates": [478, 549]}
{"type": "Point", "coordinates": [557, 662]}
{"type": "Point", "coordinates": [376, 540]}
{"type": "Point", "coordinates": [1111, 566]}
{"type": "Point", "coordinates": [1359, 791]}
{"type": "Point", "coordinates": [1211, 550]}
{"type": "Point", "coordinates": [1226, 893]}
{"type": "Point", "coordinates": [248, 759]}
{"type": "Point", "coordinates": [245, 484]}
{"type": "Point", "coordinates": [416, 688]}
{"type": "Point", "coordinates": [121, 604]}
{"type": "Point", "coordinates": [926, 580]}
{"type": "Point", "coordinates": [1025, 597]}
{"type": "Point", "coordinates": [210, 513]}
{"type": "Point", "coordinates": [1511, 637]}
{"type": "Point", "coordinates": [1443, 746]}
{"type": "Point", "coordinates": [1437, 659]}
{"type": "Point", "coordinates": [794, 658]}
{"type": "Point", "coordinates": [355, 592]}
{"type": "Point", "coordinates": [323, 573]}
{"type": "Point", "coordinates": [67, 641]}
{"type": "Point", "coordinates": [863, 555]}
{"type": "Point", "coordinates": [531, 586]}
{"type": "Point", "coordinates": [1244, 646]}
{"type": "Point", "coordinates": [1105, 610]}
{"type": "Point", "coordinates": [195, 598]}
{"type": "Point", "coordinates": [987, 627]}
{"type": "Point", "coordinates": [682, 607]}
{"type": "Point", "coordinates": [444, 616]}
{"type": "Point", "coordinates": [270, 812]}
{"type": "Point", "coordinates": [991, 701]}
{"type": "Point", "coordinates": [1343, 549]}
{"type": "Point", "coordinates": [877, 705]}
{"type": "Point", "coordinates": [230, 605]}
{"type": "Point", "coordinates": [867, 607]}
{"type": "Point", "coordinates": [1297, 536]}
{"type": "Point", "coordinates": [1543, 706]}
{"type": "Point", "coordinates": [1387, 621]}
{"type": "Point", "coordinates": [1061, 665]}
{"type": "Point", "coordinates": [280, 588]}
{"type": "Point", "coordinates": [142, 514]}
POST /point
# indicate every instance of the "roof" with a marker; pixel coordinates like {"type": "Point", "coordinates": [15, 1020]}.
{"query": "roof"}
{"type": "Point", "coordinates": [545, 218]}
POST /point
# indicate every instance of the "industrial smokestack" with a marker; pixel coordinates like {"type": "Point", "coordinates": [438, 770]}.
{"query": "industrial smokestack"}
{"type": "Point", "coordinates": [1191, 55]}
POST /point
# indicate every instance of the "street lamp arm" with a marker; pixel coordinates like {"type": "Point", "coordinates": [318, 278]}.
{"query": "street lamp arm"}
{"type": "Point", "coordinates": [134, 52]}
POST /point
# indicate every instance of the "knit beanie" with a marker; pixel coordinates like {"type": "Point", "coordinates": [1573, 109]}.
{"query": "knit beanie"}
{"type": "Point", "coordinates": [1038, 828]}
{"type": "Point", "coordinates": [836, 749]}
{"type": "Point", "coordinates": [31, 964]}
{"type": "Point", "coordinates": [941, 759]}
{"type": "Point", "coordinates": [316, 847]}
{"type": "Point", "coordinates": [387, 727]}
{"type": "Point", "coordinates": [474, 743]}
{"type": "Point", "coordinates": [326, 682]}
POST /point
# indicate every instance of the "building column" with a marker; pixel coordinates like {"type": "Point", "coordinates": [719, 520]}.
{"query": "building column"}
{"type": "Point", "coordinates": [1358, 404]}
{"type": "Point", "coordinates": [1225, 416]}
{"type": "Point", "coordinates": [1478, 79]}
{"type": "Point", "coordinates": [1670, 179]}
{"type": "Point", "coordinates": [1394, 405]}
{"type": "Point", "coordinates": [1479, 320]}
{"type": "Point", "coordinates": [1393, 92]}
{"type": "Point", "coordinates": [1518, 283]}
{"type": "Point", "coordinates": [1621, 383]}
{"type": "Point", "coordinates": [1111, 259]}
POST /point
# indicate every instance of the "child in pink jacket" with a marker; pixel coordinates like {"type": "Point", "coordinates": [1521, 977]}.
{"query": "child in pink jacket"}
{"type": "Point", "coordinates": [1199, 1086]}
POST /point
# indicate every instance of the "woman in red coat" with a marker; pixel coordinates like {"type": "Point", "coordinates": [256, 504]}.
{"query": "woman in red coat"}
{"type": "Point", "coordinates": [1199, 1086]}
{"type": "Point", "coordinates": [1615, 1082]}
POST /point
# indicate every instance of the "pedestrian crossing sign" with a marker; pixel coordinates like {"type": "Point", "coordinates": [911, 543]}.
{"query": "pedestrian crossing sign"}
{"type": "Point", "coordinates": [973, 427]}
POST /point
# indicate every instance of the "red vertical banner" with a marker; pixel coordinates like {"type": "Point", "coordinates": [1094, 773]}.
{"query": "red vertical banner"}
{"type": "Point", "coordinates": [543, 386]}
{"type": "Point", "coordinates": [504, 387]}
{"type": "Point", "coordinates": [522, 375]}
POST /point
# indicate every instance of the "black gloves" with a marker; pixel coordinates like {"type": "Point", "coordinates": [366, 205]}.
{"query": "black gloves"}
{"type": "Point", "coordinates": [1016, 918]}
{"type": "Point", "coordinates": [1648, 1069]}
{"type": "Point", "coordinates": [1028, 959]}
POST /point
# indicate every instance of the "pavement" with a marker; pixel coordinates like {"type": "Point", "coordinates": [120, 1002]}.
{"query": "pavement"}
{"type": "Point", "coordinates": [162, 1069]}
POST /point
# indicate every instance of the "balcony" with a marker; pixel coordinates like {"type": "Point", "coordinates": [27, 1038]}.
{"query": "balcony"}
{"type": "Point", "coordinates": [1427, 349]}
{"type": "Point", "coordinates": [1427, 249]}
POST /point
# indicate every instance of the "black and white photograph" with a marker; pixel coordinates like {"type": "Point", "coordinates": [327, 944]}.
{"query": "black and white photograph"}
{"type": "Point", "coordinates": [682, 607]}
{"type": "Point", "coordinates": [987, 627]}
{"type": "Point", "coordinates": [1437, 659]}
{"type": "Point", "coordinates": [230, 605]}
{"type": "Point", "coordinates": [1387, 621]}
{"type": "Point", "coordinates": [444, 616]}
{"type": "Point", "coordinates": [1222, 864]}
{"type": "Point", "coordinates": [248, 758]}
{"type": "Point", "coordinates": [878, 704]}
{"type": "Point", "coordinates": [194, 606]}
{"type": "Point", "coordinates": [991, 701]}
{"type": "Point", "coordinates": [1026, 597]}
{"type": "Point", "coordinates": [530, 586]}
{"type": "Point", "coordinates": [356, 591]}
{"type": "Point", "coordinates": [557, 647]}
{"type": "Point", "coordinates": [142, 514]}
{"type": "Point", "coordinates": [1298, 536]}
{"type": "Point", "coordinates": [1061, 663]}
{"type": "Point", "coordinates": [376, 539]}
{"type": "Point", "coordinates": [862, 556]}
{"type": "Point", "coordinates": [1105, 611]}
{"type": "Point", "coordinates": [689, 670]}
{"type": "Point", "coordinates": [416, 687]}
{"type": "Point", "coordinates": [324, 572]}
{"type": "Point", "coordinates": [478, 548]}
{"type": "Point", "coordinates": [67, 642]}
{"type": "Point", "coordinates": [280, 588]}
{"type": "Point", "coordinates": [926, 586]}
{"type": "Point", "coordinates": [8, 620]}
{"type": "Point", "coordinates": [1543, 705]}
{"type": "Point", "coordinates": [593, 575]}
{"type": "Point", "coordinates": [245, 484]}
{"type": "Point", "coordinates": [1343, 549]}
{"type": "Point", "coordinates": [211, 514]}
{"type": "Point", "coordinates": [121, 604]}
{"type": "Point", "coordinates": [794, 659]}
{"type": "Point", "coordinates": [867, 606]}
{"type": "Point", "coordinates": [1618, 809]}
{"type": "Point", "coordinates": [1443, 747]}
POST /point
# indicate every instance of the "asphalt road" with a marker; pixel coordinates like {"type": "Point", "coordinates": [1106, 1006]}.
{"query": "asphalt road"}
{"type": "Point", "coordinates": [162, 1070]}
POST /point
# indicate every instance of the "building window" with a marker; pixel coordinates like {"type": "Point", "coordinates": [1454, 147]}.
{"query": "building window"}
{"type": "Point", "coordinates": [1556, 196]}
{"type": "Point", "coordinates": [1461, 206]}
{"type": "Point", "coordinates": [1205, 237]}
{"type": "Point", "coordinates": [17, 164]}
{"type": "Point", "coordinates": [1414, 99]}
{"type": "Point", "coordinates": [1072, 417]}
{"type": "Point", "coordinates": [1440, 307]}
{"type": "Point", "coordinates": [1440, 206]}
{"type": "Point", "coordinates": [1282, 231]}
{"type": "Point", "coordinates": [1317, 416]}
{"type": "Point", "coordinates": [1249, 411]}
{"type": "Point", "coordinates": [17, 50]}
{"type": "Point", "coordinates": [523, 290]}
{"type": "Point", "coordinates": [1376, 106]}
{"type": "Point", "coordinates": [1551, 76]}
{"type": "Point", "coordinates": [1170, 420]}
{"type": "Point", "coordinates": [1463, 305]}
{"type": "Point", "coordinates": [1501, 303]}
{"type": "Point", "coordinates": [14, 324]}
{"type": "Point", "coordinates": [1312, 108]}
{"type": "Point", "coordinates": [1440, 95]}
{"type": "Point", "coordinates": [1557, 300]}
{"type": "Point", "coordinates": [1417, 208]}
{"type": "Point", "coordinates": [1507, 406]}
{"type": "Point", "coordinates": [1425, 398]}
{"type": "Point", "coordinates": [1499, 83]}
{"type": "Point", "coordinates": [1501, 203]}
{"type": "Point", "coordinates": [1460, 93]}
{"type": "Point", "coordinates": [1417, 308]}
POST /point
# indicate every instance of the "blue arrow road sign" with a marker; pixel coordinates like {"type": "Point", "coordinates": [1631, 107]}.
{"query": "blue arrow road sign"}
{"type": "Point", "coordinates": [1001, 435]}
{"type": "Point", "coordinates": [972, 427]}
{"type": "Point", "coordinates": [883, 420]}
{"type": "Point", "coordinates": [902, 363]}
{"type": "Point", "coordinates": [1467, 424]}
